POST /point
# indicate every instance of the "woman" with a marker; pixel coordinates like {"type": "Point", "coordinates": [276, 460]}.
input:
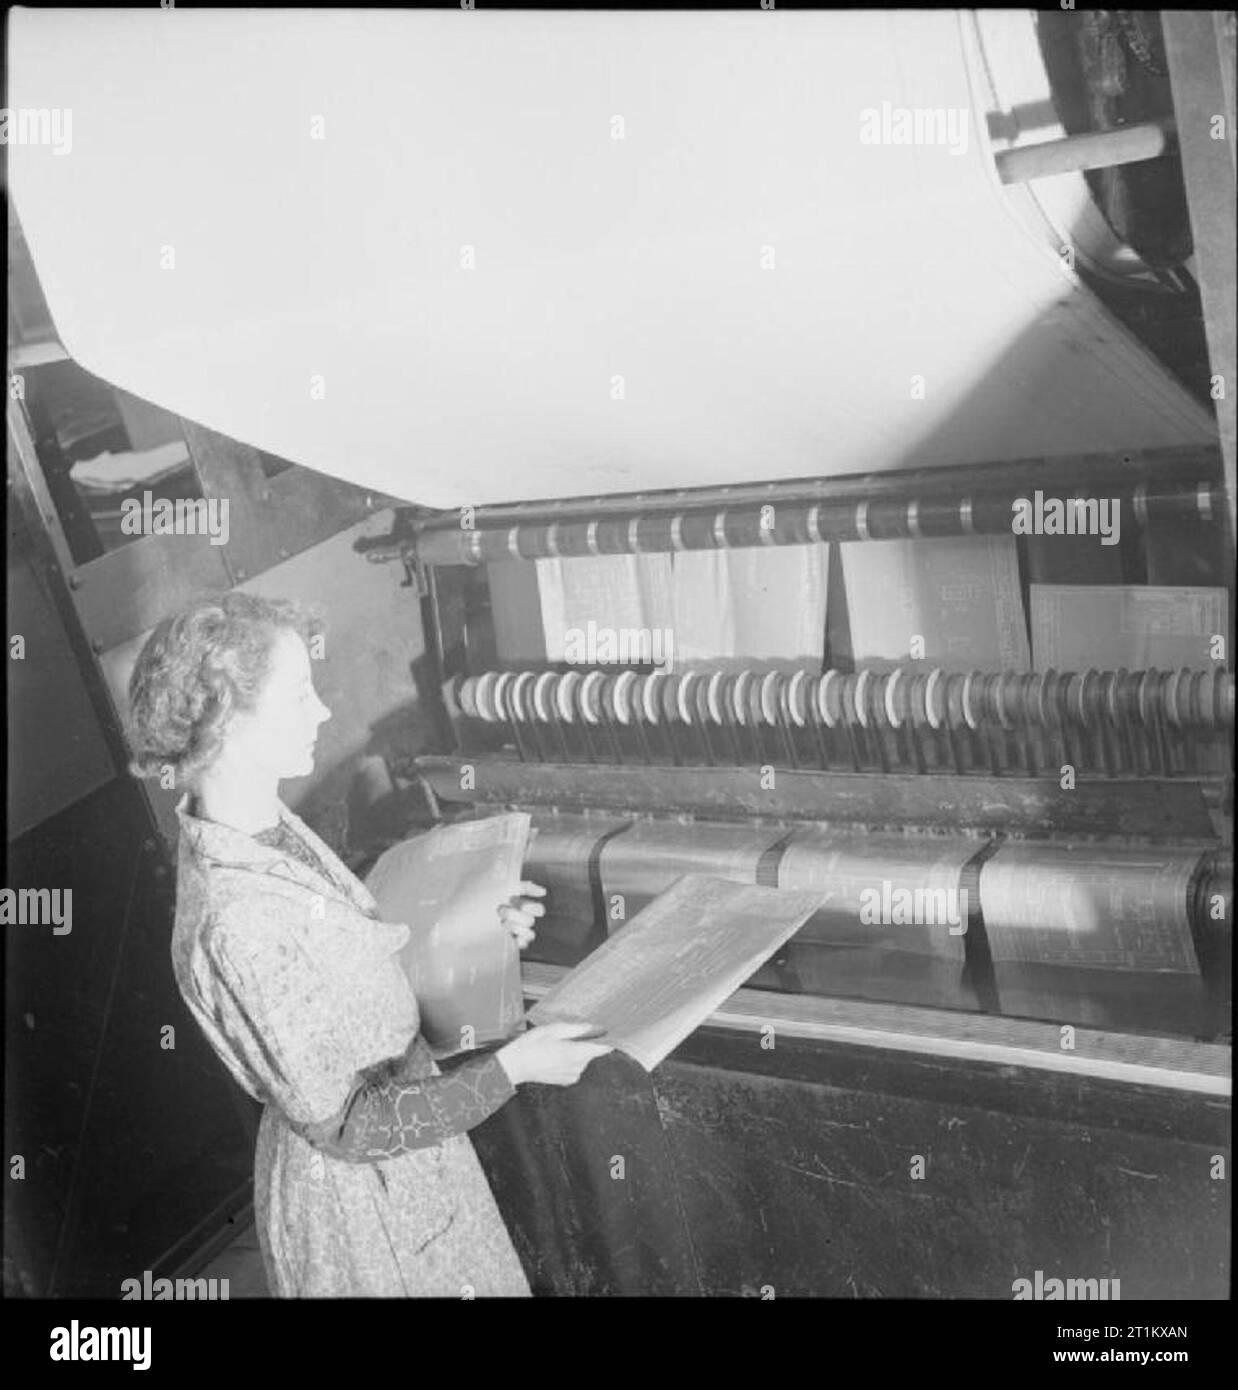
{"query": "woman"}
{"type": "Point", "coordinates": [365, 1180]}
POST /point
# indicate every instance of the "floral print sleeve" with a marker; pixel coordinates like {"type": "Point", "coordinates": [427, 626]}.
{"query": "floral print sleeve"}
{"type": "Point", "coordinates": [386, 1115]}
{"type": "Point", "coordinates": [292, 1024]}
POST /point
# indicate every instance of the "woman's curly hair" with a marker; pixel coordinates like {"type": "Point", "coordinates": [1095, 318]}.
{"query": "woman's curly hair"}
{"type": "Point", "coordinates": [196, 671]}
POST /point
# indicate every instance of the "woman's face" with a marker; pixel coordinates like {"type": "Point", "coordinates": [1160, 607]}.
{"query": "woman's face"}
{"type": "Point", "coordinates": [277, 736]}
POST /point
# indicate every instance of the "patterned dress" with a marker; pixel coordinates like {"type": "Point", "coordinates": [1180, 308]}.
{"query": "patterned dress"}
{"type": "Point", "coordinates": [280, 956]}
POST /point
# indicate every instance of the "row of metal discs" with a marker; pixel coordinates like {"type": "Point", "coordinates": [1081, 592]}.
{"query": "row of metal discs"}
{"type": "Point", "coordinates": [923, 697]}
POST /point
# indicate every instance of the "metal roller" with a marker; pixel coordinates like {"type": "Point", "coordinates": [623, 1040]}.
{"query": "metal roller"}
{"type": "Point", "coordinates": [824, 512]}
{"type": "Point", "coordinates": [1108, 723]}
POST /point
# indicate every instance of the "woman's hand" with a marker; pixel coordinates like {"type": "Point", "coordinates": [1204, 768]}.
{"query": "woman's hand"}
{"type": "Point", "coordinates": [553, 1053]}
{"type": "Point", "coordinates": [519, 914]}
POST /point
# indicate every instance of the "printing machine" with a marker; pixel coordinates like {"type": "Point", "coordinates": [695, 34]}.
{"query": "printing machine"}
{"type": "Point", "coordinates": [787, 1165]}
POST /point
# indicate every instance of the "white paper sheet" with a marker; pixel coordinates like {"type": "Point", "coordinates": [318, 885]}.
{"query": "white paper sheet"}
{"type": "Point", "coordinates": [659, 978]}
{"type": "Point", "coordinates": [629, 593]}
{"type": "Point", "coordinates": [1080, 627]}
{"type": "Point", "coordinates": [763, 603]}
{"type": "Point", "coordinates": [461, 961]}
{"type": "Point", "coordinates": [959, 596]}
{"type": "Point", "coordinates": [108, 472]}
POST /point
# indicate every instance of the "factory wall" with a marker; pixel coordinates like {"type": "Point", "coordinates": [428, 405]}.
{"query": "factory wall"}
{"type": "Point", "coordinates": [56, 749]}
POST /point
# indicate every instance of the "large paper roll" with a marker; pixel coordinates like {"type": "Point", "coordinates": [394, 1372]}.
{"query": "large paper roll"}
{"type": "Point", "coordinates": [472, 257]}
{"type": "Point", "coordinates": [562, 857]}
{"type": "Point", "coordinates": [1102, 908]}
{"type": "Point", "coordinates": [1096, 936]}
{"type": "Point", "coordinates": [887, 891]}
{"type": "Point", "coordinates": [648, 857]}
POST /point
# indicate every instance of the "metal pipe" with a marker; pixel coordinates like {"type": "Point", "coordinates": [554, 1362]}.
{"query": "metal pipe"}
{"type": "Point", "coordinates": [1100, 150]}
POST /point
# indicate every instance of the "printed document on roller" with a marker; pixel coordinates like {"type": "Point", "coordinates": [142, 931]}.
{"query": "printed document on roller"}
{"type": "Point", "coordinates": [461, 961]}
{"type": "Point", "coordinates": [959, 596]}
{"type": "Point", "coordinates": [615, 593]}
{"type": "Point", "coordinates": [675, 962]}
{"type": "Point", "coordinates": [1103, 627]}
{"type": "Point", "coordinates": [764, 603]}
